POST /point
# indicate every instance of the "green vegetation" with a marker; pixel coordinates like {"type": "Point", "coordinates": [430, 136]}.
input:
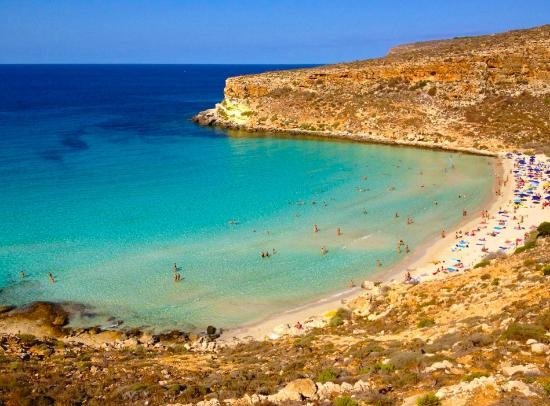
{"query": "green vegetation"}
{"type": "Point", "coordinates": [428, 400]}
{"type": "Point", "coordinates": [546, 270]}
{"type": "Point", "coordinates": [522, 332]}
{"type": "Point", "coordinates": [380, 367]}
{"type": "Point", "coordinates": [419, 85]}
{"type": "Point", "coordinates": [339, 317]}
{"type": "Point", "coordinates": [474, 375]}
{"type": "Point", "coordinates": [483, 263]}
{"type": "Point", "coordinates": [345, 401]}
{"type": "Point", "coordinates": [543, 229]}
{"type": "Point", "coordinates": [527, 246]}
{"type": "Point", "coordinates": [27, 338]}
{"type": "Point", "coordinates": [425, 323]}
{"type": "Point", "coordinates": [327, 375]}
{"type": "Point", "coordinates": [546, 386]}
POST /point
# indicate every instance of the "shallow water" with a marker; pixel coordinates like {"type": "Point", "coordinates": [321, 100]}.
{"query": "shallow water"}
{"type": "Point", "coordinates": [106, 183]}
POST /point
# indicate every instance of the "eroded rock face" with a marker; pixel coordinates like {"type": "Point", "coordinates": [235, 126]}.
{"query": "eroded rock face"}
{"type": "Point", "coordinates": [487, 92]}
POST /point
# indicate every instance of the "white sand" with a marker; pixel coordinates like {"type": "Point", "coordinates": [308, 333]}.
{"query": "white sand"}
{"type": "Point", "coordinates": [443, 253]}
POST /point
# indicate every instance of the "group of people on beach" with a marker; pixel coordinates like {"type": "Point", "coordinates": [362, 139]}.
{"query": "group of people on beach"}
{"type": "Point", "coordinates": [401, 244]}
{"type": "Point", "coordinates": [266, 254]}
{"type": "Point", "coordinates": [531, 191]}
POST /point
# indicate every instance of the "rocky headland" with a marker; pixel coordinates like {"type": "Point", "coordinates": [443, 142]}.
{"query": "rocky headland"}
{"type": "Point", "coordinates": [482, 94]}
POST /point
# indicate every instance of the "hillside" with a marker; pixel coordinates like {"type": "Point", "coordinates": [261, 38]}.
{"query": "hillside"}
{"type": "Point", "coordinates": [488, 93]}
{"type": "Point", "coordinates": [480, 337]}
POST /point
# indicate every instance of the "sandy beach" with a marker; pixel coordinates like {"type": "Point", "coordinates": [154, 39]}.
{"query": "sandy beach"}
{"type": "Point", "coordinates": [497, 231]}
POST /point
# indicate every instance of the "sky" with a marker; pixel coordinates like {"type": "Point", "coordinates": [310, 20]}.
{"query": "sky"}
{"type": "Point", "coordinates": [243, 32]}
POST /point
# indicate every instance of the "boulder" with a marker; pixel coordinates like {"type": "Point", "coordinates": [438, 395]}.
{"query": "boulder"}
{"type": "Point", "coordinates": [517, 386]}
{"type": "Point", "coordinates": [539, 348]}
{"type": "Point", "coordinates": [328, 389]}
{"type": "Point", "coordinates": [438, 365]}
{"type": "Point", "coordinates": [304, 387]}
{"type": "Point", "coordinates": [528, 369]}
{"type": "Point", "coordinates": [38, 318]}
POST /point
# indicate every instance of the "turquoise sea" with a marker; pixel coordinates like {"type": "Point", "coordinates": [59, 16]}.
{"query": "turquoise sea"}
{"type": "Point", "coordinates": [106, 183]}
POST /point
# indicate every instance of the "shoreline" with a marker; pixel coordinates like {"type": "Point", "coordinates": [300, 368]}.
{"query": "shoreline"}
{"type": "Point", "coordinates": [420, 265]}
{"type": "Point", "coordinates": [365, 138]}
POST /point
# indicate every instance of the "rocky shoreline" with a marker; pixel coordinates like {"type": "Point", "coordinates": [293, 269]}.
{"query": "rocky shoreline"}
{"type": "Point", "coordinates": [209, 118]}
{"type": "Point", "coordinates": [48, 320]}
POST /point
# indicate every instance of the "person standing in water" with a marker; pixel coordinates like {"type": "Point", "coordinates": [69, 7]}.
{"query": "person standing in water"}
{"type": "Point", "coordinates": [315, 228]}
{"type": "Point", "coordinates": [338, 231]}
{"type": "Point", "coordinates": [50, 276]}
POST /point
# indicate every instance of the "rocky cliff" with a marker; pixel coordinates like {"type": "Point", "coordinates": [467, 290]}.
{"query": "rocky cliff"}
{"type": "Point", "coordinates": [489, 93]}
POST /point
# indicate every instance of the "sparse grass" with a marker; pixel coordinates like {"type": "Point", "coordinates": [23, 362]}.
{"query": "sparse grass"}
{"type": "Point", "coordinates": [327, 375]}
{"type": "Point", "coordinates": [428, 399]}
{"type": "Point", "coordinates": [523, 332]}
{"type": "Point", "coordinates": [474, 375]}
{"type": "Point", "coordinates": [380, 367]}
{"type": "Point", "coordinates": [345, 401]}
{"type": "Point", "coordinates": [527, 246]}
{"type": "Point", "coordinates": [27, 338]}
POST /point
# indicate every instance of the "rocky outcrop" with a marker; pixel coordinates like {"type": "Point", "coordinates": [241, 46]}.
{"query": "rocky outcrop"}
{"type": "Point", "coordinates": [483, 93]}
{"type": "Point", "coordinates": [38, 318]}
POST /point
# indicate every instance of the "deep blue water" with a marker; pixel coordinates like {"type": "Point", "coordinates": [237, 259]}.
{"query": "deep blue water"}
{"type": "Point", "coordinates": [105, 182]}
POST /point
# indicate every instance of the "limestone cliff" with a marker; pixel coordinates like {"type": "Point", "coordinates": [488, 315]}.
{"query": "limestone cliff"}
{"type": "Point", "coordinates": [488, 93]}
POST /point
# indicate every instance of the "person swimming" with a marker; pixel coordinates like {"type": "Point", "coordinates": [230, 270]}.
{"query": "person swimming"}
{"type": "Point", "coordinates": [324, 250]}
